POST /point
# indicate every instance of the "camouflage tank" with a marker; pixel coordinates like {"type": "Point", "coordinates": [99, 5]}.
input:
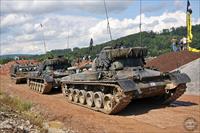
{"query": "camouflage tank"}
{"type": "Point", "coordinates": [48, 75]}
{"type": "Point", "coordinates": [118, 76]}
{"type": "Point", "coordinates": [18, 72]}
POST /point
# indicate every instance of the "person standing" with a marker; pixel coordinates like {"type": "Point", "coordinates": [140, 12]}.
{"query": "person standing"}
{"type": "Point", "coordinates": [174, 45]}
{"type": "Point", "coordinates": [183, 43]}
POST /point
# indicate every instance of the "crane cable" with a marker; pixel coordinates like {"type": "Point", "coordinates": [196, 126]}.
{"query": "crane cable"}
{"type": "Point", "coordinates": [140, 23]}
{"type": "Point", "coordinates": [108, 24]}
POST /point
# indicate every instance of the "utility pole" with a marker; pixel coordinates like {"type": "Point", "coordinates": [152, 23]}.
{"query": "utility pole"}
{"type": "Point", "coordinates": [108, 24]}
{"type": "Point", "coordinates": [140, 23]}
{"type": "Point", "coordinates": [45, 49]}
{"type": "Point", "coordinates": [68, 36]}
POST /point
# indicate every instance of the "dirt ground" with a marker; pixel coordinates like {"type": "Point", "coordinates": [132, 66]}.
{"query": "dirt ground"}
{"type": "Point", "coordinates": [139, 116]}
{"type": "Point", "coordinates": [172, 60]}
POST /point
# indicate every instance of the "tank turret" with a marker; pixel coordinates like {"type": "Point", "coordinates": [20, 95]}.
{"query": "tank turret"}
{"type": "Point", "coordinates": [118, 58]}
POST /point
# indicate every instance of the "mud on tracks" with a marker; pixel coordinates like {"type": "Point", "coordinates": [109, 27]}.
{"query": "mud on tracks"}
{"type": "Point", "coordinates": [139, 116]}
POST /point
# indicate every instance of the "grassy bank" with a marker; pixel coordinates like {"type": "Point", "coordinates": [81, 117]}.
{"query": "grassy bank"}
{"type": "Point", "coordinates": [22, 108]}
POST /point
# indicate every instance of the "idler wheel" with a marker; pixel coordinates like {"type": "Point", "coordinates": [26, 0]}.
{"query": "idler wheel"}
{"type": "Point", "coordinates": [71, 93]}
{"type": "Point", "coordinates": [76, 95]}
{"type": "Point", "coordinates": [82, 97]}
{"type": "Point", "coordinates": [108, 102]}
{"type": "Point", "coordinates": [90, 98]}
{"type": "Point", "coordinates": [98, 99]}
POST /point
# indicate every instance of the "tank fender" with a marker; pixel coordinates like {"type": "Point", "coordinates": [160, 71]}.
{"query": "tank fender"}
{"type": "Point", "coordinates": [49, 79]}
{"type": "Point", "coordinates": [179, 78]}
{"type": "Point", "coordinates": [128, 85]}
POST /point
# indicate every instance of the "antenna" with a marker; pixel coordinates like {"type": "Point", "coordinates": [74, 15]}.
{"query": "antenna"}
{"type": "Point", "coordinates": [108, 24]}
{"type": "Point", "coordinates": [45, 49]}
{"type": "Point", "coordinates": [68, 36]}
{"type": "Point", "coordinates": [140, 23]}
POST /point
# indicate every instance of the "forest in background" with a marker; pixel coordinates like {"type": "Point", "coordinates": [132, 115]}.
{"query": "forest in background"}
{"type": "Point", "coordinates": [156, 43]}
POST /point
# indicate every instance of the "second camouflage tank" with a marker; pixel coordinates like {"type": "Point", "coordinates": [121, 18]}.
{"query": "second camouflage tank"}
{"type": "Point", "coordinates": [19, 72]}
{"type": "Point", "coordinates": [48, 75]}
{"type": "Point", "coordinates": [118, 76]}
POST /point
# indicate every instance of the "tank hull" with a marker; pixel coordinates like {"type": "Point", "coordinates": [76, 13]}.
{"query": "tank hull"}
{"type": "Point", "coordinates": [115, 95]}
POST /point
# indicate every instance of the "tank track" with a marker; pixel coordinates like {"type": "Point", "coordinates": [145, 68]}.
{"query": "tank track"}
{"type": "Point", "coordinates": [42, 88]}
{"type": "Point", "coordinates": [172, 96]}
{"type": "Point", "coordinates": [119, 102]}
{"type": "Point", "coordinates": [122, 103]}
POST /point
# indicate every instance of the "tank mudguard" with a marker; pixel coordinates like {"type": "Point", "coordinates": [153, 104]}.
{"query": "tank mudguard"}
{"type": "Point", "coordinates": [179, 78]}
{"type": "Point", "coordinates": [84, 76]}
{"type": "Point", "coordinates": [128, 85]}
{"type": "Point", "coordinates": [49, 79]}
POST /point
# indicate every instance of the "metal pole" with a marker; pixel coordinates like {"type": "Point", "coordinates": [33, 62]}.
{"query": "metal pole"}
{"type": "Point", "coordinates": [45, 49]}
{"type": "Point", "coordinates": [68, 37]}
{"type": "Point", "coordinates": [140, 23]}
{"type": "Point", "coordinates": [108, 24]}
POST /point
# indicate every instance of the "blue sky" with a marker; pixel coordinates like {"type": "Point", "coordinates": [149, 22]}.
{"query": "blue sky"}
{"type": "Point", "coordinates": [81, 20]}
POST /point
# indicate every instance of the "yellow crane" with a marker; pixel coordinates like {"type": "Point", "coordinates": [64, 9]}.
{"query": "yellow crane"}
{"type": "Point", "coordinates": [189, 28]}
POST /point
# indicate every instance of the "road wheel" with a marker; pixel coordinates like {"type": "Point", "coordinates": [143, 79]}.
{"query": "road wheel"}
{"type": "Point", "coordinates": [98, 99]}
{"type": "Point", "coordinates": [71, 92]}
{"type": "Point", "coordinates": [108, 102]}
{"type": "Point", "coordinates": [82, 97]}
{"type": "Point", "coordinates": [90, 98]}
{"type": "Point", "coordinates": [76, 95]}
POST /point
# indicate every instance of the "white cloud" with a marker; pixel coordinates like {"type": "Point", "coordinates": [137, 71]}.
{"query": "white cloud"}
{"type": "Point", "coordinates": [28, 28]}
{"type": "Point", "coordinates": [14, 19]}
{"type": "Point", "coordinates": [38, 6]}
{"type": "Point", "coordinates": [28, 48]}
{"type": "Point", "coordinates": [24, 38]}
{"type": "Point", "coordinates": [129, 26]}
{"type": "Point", "coordinates": [80, 29]}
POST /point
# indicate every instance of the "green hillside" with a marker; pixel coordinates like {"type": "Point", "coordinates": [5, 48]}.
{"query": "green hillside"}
{"type": "Point", "coordinates": [157, 43]}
